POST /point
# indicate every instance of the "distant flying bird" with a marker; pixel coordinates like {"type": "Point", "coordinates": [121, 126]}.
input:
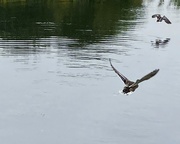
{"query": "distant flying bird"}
{"type": "Point", "coordinates": [160, 19]}
{"type": "Point", "coordinates": [131, 86]}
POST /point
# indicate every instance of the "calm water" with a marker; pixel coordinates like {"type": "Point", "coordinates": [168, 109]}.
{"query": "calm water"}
{"type": "Point", "coordinates": [56, 82]}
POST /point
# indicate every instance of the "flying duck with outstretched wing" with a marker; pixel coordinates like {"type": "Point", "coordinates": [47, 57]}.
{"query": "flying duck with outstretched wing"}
{"type": "Point", "coordinates": [160, 19]}
{"type": "Point", "coordinates": [131, 86]}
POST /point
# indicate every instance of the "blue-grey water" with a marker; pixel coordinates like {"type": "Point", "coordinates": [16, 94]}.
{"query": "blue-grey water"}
{"type": "Point", "coordinates": [57, 86]}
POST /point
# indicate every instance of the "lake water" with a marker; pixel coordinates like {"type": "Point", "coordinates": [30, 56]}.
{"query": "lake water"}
{"type": "Point", "coordinates": [57, 85]}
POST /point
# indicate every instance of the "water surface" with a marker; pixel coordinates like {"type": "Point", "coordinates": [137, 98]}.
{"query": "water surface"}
{"type": "Point", "coordinates": [56, 82]}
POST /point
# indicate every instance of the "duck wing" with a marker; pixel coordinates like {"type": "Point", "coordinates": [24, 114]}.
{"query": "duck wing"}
{"type": "Point", "coordinates": [148, 76]}
{"type": "Point", "coordinates": [166, 20]}
{"type": "Point", "coordinates": [124, 79]}
{"type": "Point", "coordinates": [156, 15]}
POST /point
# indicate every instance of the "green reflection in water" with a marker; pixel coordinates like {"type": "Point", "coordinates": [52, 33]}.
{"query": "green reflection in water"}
{"type": "Point", "coordinates": [85, 20]}
{"type": "Point", "coordinates": [175, 3]}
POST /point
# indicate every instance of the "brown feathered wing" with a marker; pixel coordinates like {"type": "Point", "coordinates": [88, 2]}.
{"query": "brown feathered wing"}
{"type": "Point", "coordinates": [124, 79]}
{"type": "Point", "coordinates": [148, 76]}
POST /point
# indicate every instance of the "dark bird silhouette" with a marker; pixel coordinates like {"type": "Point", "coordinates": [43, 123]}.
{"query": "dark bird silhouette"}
{"type": "Point", "coordinates": [160, 19]}
{"type": "Point", "coordinates": [160, 43]}
{"type": "Point", "coordinates": [131, 86]}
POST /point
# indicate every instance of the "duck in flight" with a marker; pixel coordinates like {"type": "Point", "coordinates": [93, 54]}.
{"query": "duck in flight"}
{"type": "Point", "coordinates": [131, 86]}
{"type": "Point", "coordinates": [160, 19]}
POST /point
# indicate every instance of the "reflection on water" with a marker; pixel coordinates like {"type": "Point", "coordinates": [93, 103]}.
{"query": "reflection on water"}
{"type": "Point", "coordinates": [173, 3]}
{"type": "Point", "coordinates": [86, 21]}
{"type": "Point", "coordinates": [160, 43]}
{"type": "Point", "coordinates": [72, 27]}
{"type": "Point", "coordinates": [57, 85]}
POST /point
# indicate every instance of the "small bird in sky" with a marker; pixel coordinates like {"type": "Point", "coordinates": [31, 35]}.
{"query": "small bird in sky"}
{"type": "Point", "coordinates": [131, 86]}
{"type": "Point", "coordinates": [160, 19]}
